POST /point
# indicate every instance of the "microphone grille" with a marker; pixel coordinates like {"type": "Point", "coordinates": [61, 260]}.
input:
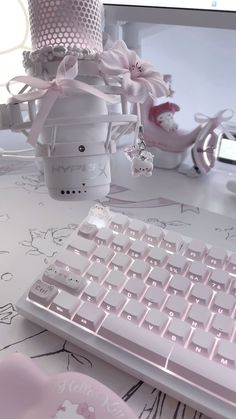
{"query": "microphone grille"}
{"type": "Point", "coordinates": [68, 23]}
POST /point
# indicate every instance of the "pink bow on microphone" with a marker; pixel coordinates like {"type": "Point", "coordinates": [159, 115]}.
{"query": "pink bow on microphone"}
{"type": "Point", "coordinates": [63, 85]}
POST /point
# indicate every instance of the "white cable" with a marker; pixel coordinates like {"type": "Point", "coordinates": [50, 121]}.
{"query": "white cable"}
{"type": "Point", "coordinates": [12, 156]}
{"type": "Point", "coordinates": [26, 150]}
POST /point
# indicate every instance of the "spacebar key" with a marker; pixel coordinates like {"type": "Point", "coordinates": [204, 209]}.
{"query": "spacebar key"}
{"type": "Point", "coordinates": [208, 374]}
{"type": "Point", "coordinates": [137, 340]}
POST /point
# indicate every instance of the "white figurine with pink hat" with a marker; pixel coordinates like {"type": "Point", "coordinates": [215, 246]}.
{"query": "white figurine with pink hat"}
{"type": "Point", "coordinates": [163, 115]}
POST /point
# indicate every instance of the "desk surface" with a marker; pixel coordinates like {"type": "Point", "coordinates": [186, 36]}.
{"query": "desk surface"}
{"type": "Point", "coordinates": [33, 228]}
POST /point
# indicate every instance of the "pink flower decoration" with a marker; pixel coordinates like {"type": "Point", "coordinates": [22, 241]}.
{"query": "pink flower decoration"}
{"type": "Point", "coordinates": [86, 410]}
{"type": "Point", "coordinates": [139, 79]}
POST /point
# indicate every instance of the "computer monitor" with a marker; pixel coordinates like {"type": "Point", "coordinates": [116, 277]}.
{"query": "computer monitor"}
{"type": "Point", "coordinates": [194, 40]}
{"type": "Point", "coordinates": [204, 13]}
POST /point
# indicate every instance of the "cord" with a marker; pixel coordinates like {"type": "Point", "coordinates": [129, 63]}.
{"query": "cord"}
{"type": "Point", "coordinates": [10, 154]}
{"type": "Point", "coordinates": [2, 151]}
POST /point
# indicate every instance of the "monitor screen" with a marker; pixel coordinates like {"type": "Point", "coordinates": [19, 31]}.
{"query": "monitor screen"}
{"type": "Point", "coordinates": [223, 5]}
{"type": "Point", "coordinates": [204, 13]}
{"type": "Point", "coordinates": [193, 40]}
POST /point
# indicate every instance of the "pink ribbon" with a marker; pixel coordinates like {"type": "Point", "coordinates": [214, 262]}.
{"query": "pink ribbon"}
{"type": "Point", "coordinates": [221, 116]}
{"type": "Point", "coordinates": [63, 85]}
{"type": "Point", "coordinates": [215, 121]}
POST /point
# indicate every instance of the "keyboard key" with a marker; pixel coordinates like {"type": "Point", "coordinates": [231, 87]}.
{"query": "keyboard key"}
{"type": "Point", "coordinates": [87, 230]}
{"type": "Point", "coordinates": [231, 266]}
{"type": "Point", "coordinates": [178, 331]}
{"type": "Point", "coordinates": [136, 228]}
{"type": "Point", "coordinates": [155, 320]}
{"type": "Point", "coordinates": [104, 236]}
{"type": "Point", "coordinates": [120, 243]}
{"type": "Point", "coordinates": [103, 254]}
{"type": "Point", "coordinates": [153, 235]}
{"type": "Point", "coordinates": [89, 316]}
{"type": "Point", "coordinates": [119, 222]}
{"type": "Point", "coordinates": [99, 215]}
{"type": "Point", "coordinates": [138, 269]}
{"type": "Point", "coordinates": [206, 374]}
{"type": "Point", "coordinates": [157, 257]}
{"type": "Point", "coordinates": [73, 262]}
{"type": "Point", "coordinates": [158, 277]}
{"type": "Point", "coordinates": [154, 297]}
{"type": "Point", "coordinates": [52, 272]}
{"type": "Point", "coordinates": [233, 288]}
{"type": "Point", "coordinates": [219, 280]}
{"type": "Point", "coordinates": [115, 279]}
{"type": "Point", "coordinates": [179, 285]}
{"type": "Point", "coordinates": [198, 316]}
{"type": "Point", "coordinates": [113, 301]}
{"type": "Point", "coordinates": [120, 261]}
{"type": "Point", "coordinates": [175, 306]}
{"type": "Point", "coordinates": [65, 304]}
{"type": "Point", "coordinates": [202, 342]}
{"type": "Point", "coordinates": [222, 326]}
{"type": "Point", "coordinates": [172, 242]}
{"type": "Point", "coordinates": [132, 338]}
{"type": "Point", "coordinates": [94, 293]}
{"type": "Point", "coordinates": [96, 272]}
{"type": "Point", "coordinates": [197, 272]}
{"type": "Point", "coordinates": [42, 293]}
{"type": "Point", "coordinates": [134, 311]}
{"type": "Point", "coordinates": [225, 353]}
{"type": "Point", "coordinates": [216, 257]}
{"type": "Point", "coordinates": [201, 294]}
{"type": "Point", "coordinates": [82, 246]}
{"type": "Point", "coordinates": [64, 279]}
{"type": "Point", "coordinates": [177, 264]}
{"type": "Point", "coordinates": [196, 250]}
{"type": "Point", "coordinates": [134, 288]}
{"type": "Point", "coordinates": [138, 249]}
{"type": "Point", "coordinates": [223, 303]}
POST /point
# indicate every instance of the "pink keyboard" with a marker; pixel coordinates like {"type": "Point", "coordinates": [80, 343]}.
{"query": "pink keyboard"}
{"type": "Point", "coordinates": [152, 302]}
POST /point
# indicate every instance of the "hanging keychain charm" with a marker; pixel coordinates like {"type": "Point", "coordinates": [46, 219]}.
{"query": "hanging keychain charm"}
{"type": "Point", "coordinates": [141, 159]}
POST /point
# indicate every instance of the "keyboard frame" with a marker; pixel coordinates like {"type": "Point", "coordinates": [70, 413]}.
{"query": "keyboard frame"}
{"type": "Point", "coordinates": [177, 387]}
{"type": "Point", "coordinates": [173, 385]}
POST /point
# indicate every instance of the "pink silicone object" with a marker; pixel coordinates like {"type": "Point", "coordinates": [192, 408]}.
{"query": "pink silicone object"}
{"type": "Point", "coordinates": [27, 393]}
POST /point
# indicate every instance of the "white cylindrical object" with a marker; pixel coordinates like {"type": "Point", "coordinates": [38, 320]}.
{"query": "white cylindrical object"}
{"type": "Point", "coordinates": [73, 24]}
{"type": "Point", "coordinates": [82, 176]}
{"type": "Point", "coordinates": [59, 28]}
{"type": "Point", "coordinates": [78, 178]}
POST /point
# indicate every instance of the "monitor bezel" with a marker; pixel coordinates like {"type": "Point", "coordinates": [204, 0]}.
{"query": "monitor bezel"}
{"type": "Point", "coordinates": [170, 16]}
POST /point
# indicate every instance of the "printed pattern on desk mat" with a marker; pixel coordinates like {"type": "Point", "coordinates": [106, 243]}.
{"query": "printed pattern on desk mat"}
{"type": "Point", "coordinates": [49, 351]}
{"type": "Point", "coordinates": [186, 219]}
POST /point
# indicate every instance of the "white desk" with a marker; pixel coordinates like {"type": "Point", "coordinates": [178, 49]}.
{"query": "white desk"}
{"type": "Point", "coordinates": [33, 227]}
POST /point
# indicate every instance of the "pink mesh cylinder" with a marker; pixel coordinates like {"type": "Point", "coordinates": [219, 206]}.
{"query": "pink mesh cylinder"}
{"type": "Point", "coordinates": [70, 23]}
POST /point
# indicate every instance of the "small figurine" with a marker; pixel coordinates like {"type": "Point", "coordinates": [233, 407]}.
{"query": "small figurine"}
{"type": "Point", "coordinates": [142, 164]}
{"type": "Point", "coordinates": [141, 159]}
{"type": "Point", "coordinates": [99, 215]}
{"type": "Point", "coordinates": [163, 116]}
